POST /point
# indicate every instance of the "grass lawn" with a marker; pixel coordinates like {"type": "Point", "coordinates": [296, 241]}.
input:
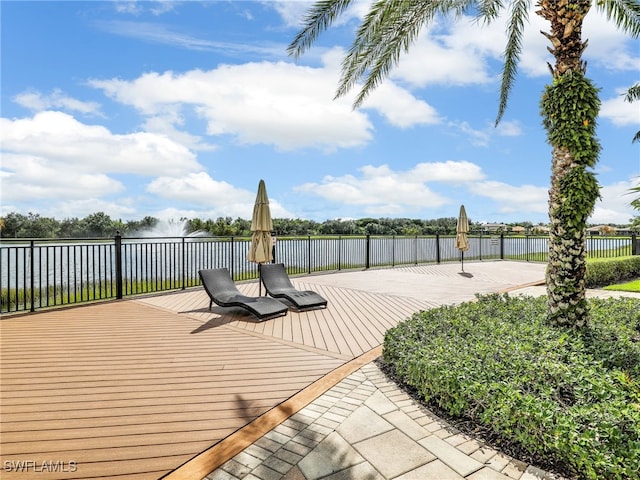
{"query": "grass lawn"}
{"type": "Point", "coordinates": [633, 286]}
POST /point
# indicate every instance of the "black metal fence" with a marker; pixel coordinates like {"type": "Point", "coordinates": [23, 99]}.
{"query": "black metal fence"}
{"type": "Point", "coordinates": [37, 274]}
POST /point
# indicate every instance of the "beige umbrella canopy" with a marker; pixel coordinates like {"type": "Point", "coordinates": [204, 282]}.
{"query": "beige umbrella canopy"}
{"type": "Point", "coordinates": [462, 229]}
{"type": "Point", "coordinates": [260, 250]}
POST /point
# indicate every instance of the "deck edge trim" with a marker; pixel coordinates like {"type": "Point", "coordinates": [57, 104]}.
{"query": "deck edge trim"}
{"type": "Point", "coordinates": [207, 461]}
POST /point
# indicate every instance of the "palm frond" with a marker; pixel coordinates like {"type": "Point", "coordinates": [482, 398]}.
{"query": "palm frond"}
{"type": "Point", "coordinates": [624, 13]}
{"type": "Point", "coordinates": [489, 10]}
{"type": "Point", "coordinates": [377, 43]}
{"type": "Point", "coordinates": [633, 93]}
{"type": "Point", "coordinates": [321, 15]}
{"type": "Point", "coordinates": [388, 30]}
{"type": "Point", "coordinates": [515, 30]}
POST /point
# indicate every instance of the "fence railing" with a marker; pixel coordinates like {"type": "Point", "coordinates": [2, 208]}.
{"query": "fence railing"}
{"type": "Point", "coordinates": [36, 274]}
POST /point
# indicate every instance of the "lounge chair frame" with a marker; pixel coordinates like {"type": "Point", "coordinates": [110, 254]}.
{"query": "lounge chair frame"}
{"type": "Point", "coordinates": [277, 284]}
{"type": "Point", "coordinates": [222, 291]}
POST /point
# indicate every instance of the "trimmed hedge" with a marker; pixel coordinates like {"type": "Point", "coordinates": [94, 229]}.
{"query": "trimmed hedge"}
{"type": "Point", "coordinates": [565, 397]}
{"type": "Point", "coordinates": [608, 271]}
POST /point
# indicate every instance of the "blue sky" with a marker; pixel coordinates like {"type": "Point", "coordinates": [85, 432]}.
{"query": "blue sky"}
{"type": "Point", "coordinates": [178, 109]}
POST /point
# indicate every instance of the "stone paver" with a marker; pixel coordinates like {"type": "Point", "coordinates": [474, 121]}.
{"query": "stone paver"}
{"type": "Point", "coordinates": [380, 403]}
{"type": "Point", "coordinates": [406, 424]}
{"type": "Point", "coordinates": [331, 455]}
{"type": "Point", "coordinates": [363, 424]}
{"type": "Point", "coordinates": [457, 460]}
{"type": "Point", "coordinates": [432, 470]}
{"type": "Point", "coordinates": [382, 435]}
{"type": "Point", "coordinates": [393, 453]}
{"type": "Point", "coordinates": [487, 474]}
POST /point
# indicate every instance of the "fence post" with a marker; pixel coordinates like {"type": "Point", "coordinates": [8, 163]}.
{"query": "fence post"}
{"type": "Point", "coordinates": [502, 246]}
{"type": "Point", "coordinates": [32, 297]}
{"type": "Point", "coordinates": [274, 239]}
{"type": "Point", "coordinates": [367, 251]}
{"type": "Point", "coordinates": [634, 245]}
{"type": "Point", "coordinates": [393, 251]}
{"type": "Point", "coordinates": [118, 253]}
{"type": "Point", "coordinates": [309, 254]}
{"type": "Point", "coordinates": [480, 246]}
{"type": "Point", "coordinates": [231, 262]}
{"type": "Point", "coordinates": [183, 266]}
{"type": "Point", "coordinates": [416, 249]}
{"type": "Point", "coordinates": [339, 252]}
{"type": "Point", "coordinates": [437, 248]}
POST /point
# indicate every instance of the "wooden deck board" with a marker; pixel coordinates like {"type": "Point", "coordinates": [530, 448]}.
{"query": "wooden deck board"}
{"type": "Point", "coordinates": [135, 388]}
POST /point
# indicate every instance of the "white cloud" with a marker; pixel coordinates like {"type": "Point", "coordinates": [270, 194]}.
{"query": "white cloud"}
{"type": "Point", "coordinates": [481, 137]}
{"type": "Point", "coordinates": [199, 188]}
{"type": "Point", "coordinates": [526, 200]}
{"type": "Point", "coordinates": [293, 12]}
{"type": "Point", "coordinates": [399, 107]}
{"type": "Point", "coordinates": [513, 199]}
{"type": "Point", "coordinates": [508, 128]}
{"type": "Point", "coordinates": [478, 138]}
{"type": "Point", "coordinates": [132, 7]}
{"type": "Point", "coordinates": [213, 197]}
{"type": "Point", "coordinates": [446, 57]}
{"type": "Point", "coordinates": [167, 126]}
{"type": "Point", "coordinates": [166, 35]}
{"type": "Point", "coordinates": [445, 172]}
{"type": "Point", "coordinates": [66, 144]}
{"type": "Point", "coordinates": [614, 206]}
{"type": "Point", "coordinates": [34, 178]}
{"type": "Point", "coordinates": [36, 101]}
{"type": "Point", "coordinates": [136, 7]}
{"type": "Point", "coordinates": [382, 191]}
{"type": "Point", "coordinates": [52, 157]}
{"type": "Point", "coordinates": [278, 104]}
{"type": "Point", "coordinates": [609, 47]}
{"type": "Point", "coordinates": [80, 208]}
{"type": "Point", "coordinates": [619, 111]}
{"type": "Point", "coordinates": [464, 52]}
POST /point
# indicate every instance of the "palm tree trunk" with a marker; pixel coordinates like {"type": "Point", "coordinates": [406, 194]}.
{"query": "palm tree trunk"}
{"type": "Point", "coordinates": [569, 107]}
{"type": "Point", "coordinates": [566, 268]}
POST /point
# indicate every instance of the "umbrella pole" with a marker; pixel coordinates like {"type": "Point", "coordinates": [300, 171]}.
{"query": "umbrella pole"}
{"type": "Point", "coordinates": [259, 280]}
{"type": "Point", "coordinates": [462, 258]}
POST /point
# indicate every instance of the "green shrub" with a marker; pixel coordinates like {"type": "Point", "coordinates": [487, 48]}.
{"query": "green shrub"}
{"type": "Point", "coordinates": [603, 272]}
{"type": "Point", "coordinates": [563, 396]}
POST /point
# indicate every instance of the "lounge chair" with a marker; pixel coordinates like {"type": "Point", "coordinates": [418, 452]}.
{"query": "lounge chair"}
{"type": "Point", "coordinates": [277, 283]}
{"type": "Point", "coordinates": [220, 287]}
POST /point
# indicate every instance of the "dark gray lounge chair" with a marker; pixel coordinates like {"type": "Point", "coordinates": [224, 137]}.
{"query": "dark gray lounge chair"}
{"type": "Point", "coordinates": [277, 283]}
{"type": "Point", "coordinates": [220, 287]}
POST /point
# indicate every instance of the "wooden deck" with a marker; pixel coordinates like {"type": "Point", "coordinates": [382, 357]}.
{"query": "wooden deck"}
{"type": "Point", "coordinates": [134, 389]}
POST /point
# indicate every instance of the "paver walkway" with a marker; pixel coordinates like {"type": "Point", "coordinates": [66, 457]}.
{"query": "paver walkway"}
{"type": "Point", "coordinates": [365, 427]}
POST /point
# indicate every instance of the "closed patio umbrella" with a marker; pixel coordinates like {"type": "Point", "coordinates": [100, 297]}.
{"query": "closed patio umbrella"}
{"type": "Point", "coordinates": [462, 229]}
{"type": "Point", "coordinates": [260, 250]}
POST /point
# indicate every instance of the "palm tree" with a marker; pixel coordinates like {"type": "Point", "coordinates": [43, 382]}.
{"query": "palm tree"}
{"type": "Point", "coordinates": [569, 105]}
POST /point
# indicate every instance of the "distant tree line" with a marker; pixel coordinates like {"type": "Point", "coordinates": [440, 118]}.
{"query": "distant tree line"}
{"type": "Point", "coordinates": [101, 225]}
